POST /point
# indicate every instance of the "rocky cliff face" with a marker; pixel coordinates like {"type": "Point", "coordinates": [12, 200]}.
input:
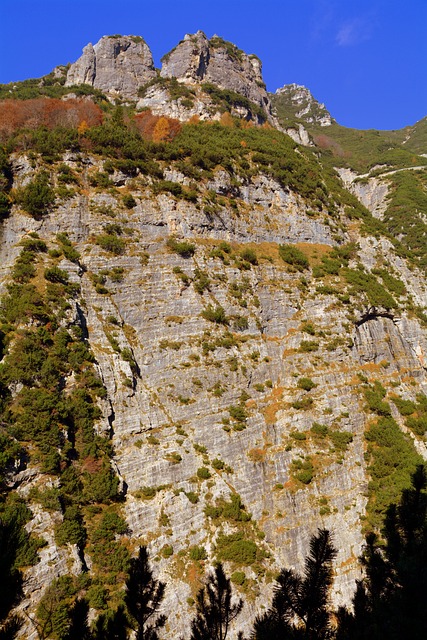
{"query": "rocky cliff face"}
{"type": "Point", "coordinates": [116, 65]}
{"type": "Point", "coordinates": [226, 397]}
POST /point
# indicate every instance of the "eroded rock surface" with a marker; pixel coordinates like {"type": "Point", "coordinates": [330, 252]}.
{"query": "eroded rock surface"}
{"type": "Point", "coordinates": [116, 65]}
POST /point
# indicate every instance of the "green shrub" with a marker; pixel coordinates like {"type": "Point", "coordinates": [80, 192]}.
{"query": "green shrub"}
{"type": "Point", "coordinates": [304, 404]}
{"type": "Point", "coordinates": [166, 551]}
{"type": "Point", "coordinates": [215, 314]}
{"type": "Point", "coordinates": [234, 548]}
{"type": "Point", "coordinates": [203, 473]}
{"type": "Point", "coordinates": [37, 197]}
{"type": "Point", "coordinates": [249, 255]}
{"type": "Point", "coordinates": [307, 346]}
{"type": "Point", "coordinates": [71, 530]}
{"type": "Point", "coordinates": [147, 492]}
{"type": "Point", "coordinates": [374, 396]}
{"type": "Point", "coordinates": [392, 461]}
{"type": "Point", "coordinates": [238, 413]}
{"type": "Point", "coordinates": [298, 435]}
{"type": "Point", "coordinates": [198, 553]}
{"type": "Point", "coordinates": [67, 248]}
{"type": "Point", "coordinates": [319, 429]}
{"type": "Point", "coordinates": [303, 470]}
{"type": "Point", "coordinates": [293, 256]}
{"type": "Point", "coordinates": [100, 179]}
{"type": "Point", "coordinates": [129, 201]}
{"type": "Point", "coordinates": [183, 248]}
{"type": "Point", "coordinates": [241, 323]}
{"type": "Point", "coordinates": [341, 439]}
{"type": "Point", "coordinates": [192, 496]}
{"type": "Point", "coordinates": [111, 243]}
{"type": "Point", "coordinates": [405, 407]}
{"type": "Point", "coordinates": [308, 327]}
{"type": "Point", "coordinates": [235, 510]}
{"type": "Point", "coordinates": [306, 383]}
{"type": "Point", "coordinates": [238, 577]}
{"type": "Point", "coordinates": [55, 274]}
{"type": "Point", "coordinates": [201, 281]}
{"type": "Point", "coordinates": [218, 464]}
{"type": "Point", "coordinates": [366, 284]}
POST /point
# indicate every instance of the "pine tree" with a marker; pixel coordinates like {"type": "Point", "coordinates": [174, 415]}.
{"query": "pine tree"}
{"type": "Point", "coordinates": [143, 597]}
{"type": "Point", "coordinates": [215, 610]}
{"type": "Point", "coordinates": [111, 626]}
{"type": "Point", "coordinates": [390, 600]}
{"type": "Point", "coordinates": [79, 625]}
{"type": "Point", "coordinates": [300, 603]}
{"type": "Point", "coordinates": [11, 578]}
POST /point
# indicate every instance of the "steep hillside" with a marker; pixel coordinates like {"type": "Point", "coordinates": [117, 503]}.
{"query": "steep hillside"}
{"type": "Point", "coordinates": [208, 344]}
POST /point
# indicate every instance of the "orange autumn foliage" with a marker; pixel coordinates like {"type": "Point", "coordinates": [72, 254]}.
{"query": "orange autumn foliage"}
{"type": "Point", "coordinates": [47, 112]}
{"type": "Point", "coordinates": [157, 128]}
{"type": "Point", "coordinates": [227, 119]}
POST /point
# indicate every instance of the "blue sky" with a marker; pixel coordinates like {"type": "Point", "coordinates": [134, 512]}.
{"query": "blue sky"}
{"type": "Point", "coordinates": [366, 60]}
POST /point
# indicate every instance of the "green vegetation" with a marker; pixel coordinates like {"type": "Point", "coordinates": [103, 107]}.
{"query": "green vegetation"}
{"type": "Point", "coordinates": [38, 196]}
{"type": "Point", "coordinates": [226, 99]}
{"type": "Point", "coordinates": [198, 553]}
{"type": "Point", "coordinates": [293, 256]}
{"type": "Point", "coordinates": [303, 470]}
{"type": "Point", "coordinates": [233, 510]}
{"type": "Point", "coordinates": [183, 248]}
{"type": "Point", "coordinates": [404, 215]}
{"type": "Point", "coordinates": [366, 284]}
{"type": "Point", "coordinates": [215, 314]}
{"type": "Point", "coordinates": [235, 548]}
{"type": "Point", "coordinates": [48, 86]}
{"type": "Point", "coordinates": [111, 243]}
{"type": "Point", "coordinates": [392, 460]}
{"type": "Point", "coordinates": [306, 383]}
{"type": "Point", "coordinates": [51, 427]}
{"type": "Point", "coordinates": [414, 412]}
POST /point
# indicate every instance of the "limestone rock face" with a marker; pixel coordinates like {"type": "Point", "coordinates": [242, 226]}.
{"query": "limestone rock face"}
{"type": "Point", "coordinates": [304, 106]}
{"type": "Point", "coordinates": [116, 65]}
{"type": "Point", "coordinates": [174, 413]}
{"type": "Point", "coordinates": [197, 59]}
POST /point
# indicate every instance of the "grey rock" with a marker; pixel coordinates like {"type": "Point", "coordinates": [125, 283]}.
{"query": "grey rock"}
{"type": "Point", "coordinates": [196, 60]}
{"type": "Point", "coordinates": [116, 65]}
{"type": "Point", "coordinates": [305, 106]}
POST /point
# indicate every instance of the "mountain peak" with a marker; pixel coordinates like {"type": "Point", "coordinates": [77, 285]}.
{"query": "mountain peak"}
{"type": "Point", "coordinates": [116, 65]}
{"type": "Point", "coordinates": [122, 66]}
{"type": "Point", "coordinates": [296, 102]}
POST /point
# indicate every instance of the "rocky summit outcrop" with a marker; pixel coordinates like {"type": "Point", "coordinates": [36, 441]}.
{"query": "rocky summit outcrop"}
{"type": "Point", "coordinates": [299, 103]}
{"type": "Point", "coordinates": [197, 59]}
{"type": "Point", "coordinates": [122, 66]}
{"type": "Point", "coordinates": [116, 65]}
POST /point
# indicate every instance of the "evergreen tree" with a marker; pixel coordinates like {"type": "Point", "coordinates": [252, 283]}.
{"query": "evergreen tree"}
{"type": "Point", "coordinates": [10, 628]}
{"type": "Point", "coordinates": [79, 625]}
{"type": "Point", "coordinates": [300, 603]}
{"type": "Point", "coordinates": [111, 626]}
{"type": "Point", "coordinates": [143, 597]}
{"type": "Point", "coordinates": [215, 610]}
{"type": "Point", "coordinates": [11, 578]}
{"type": "Point", "coordinates": [390, 600]}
